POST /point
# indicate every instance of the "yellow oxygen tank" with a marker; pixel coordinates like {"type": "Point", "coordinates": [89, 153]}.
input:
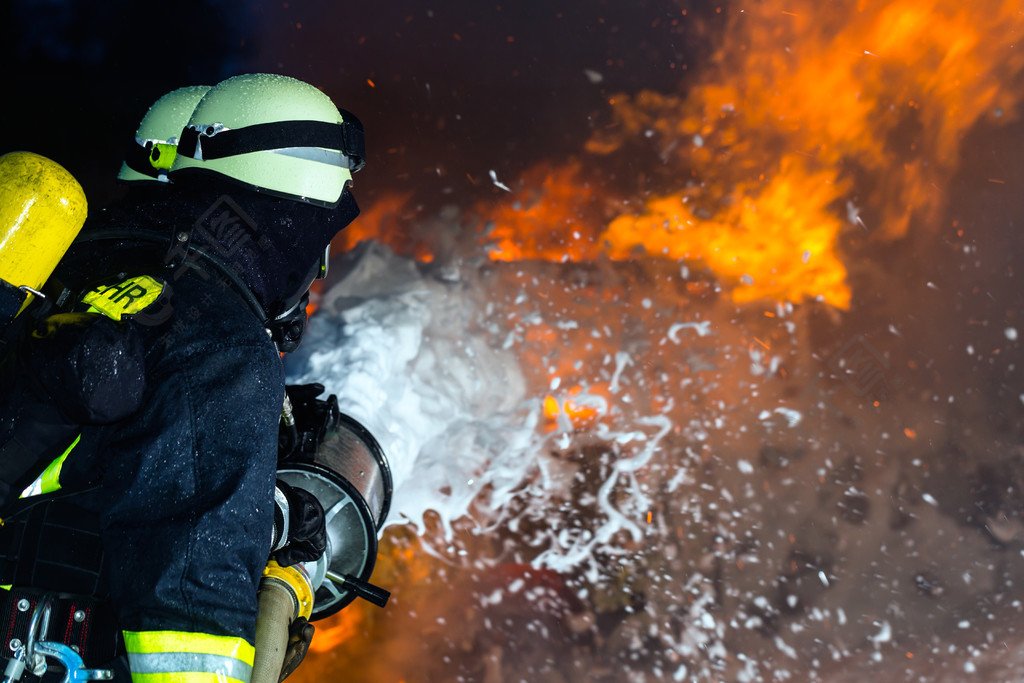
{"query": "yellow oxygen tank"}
{"type": "Point", "coordinates": [42, 208]}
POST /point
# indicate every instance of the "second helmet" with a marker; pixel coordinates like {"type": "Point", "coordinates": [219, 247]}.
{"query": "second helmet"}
{"type": "Point", "coordinates": [273, 134]}
{"type": "Point", "coordinates": [151, 155]}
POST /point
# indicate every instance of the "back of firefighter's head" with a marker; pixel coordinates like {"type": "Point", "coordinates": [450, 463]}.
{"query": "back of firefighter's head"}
{"type": "Point", "coordinates": [285, 154]}
{"type": "Point", "coordinates": [150, 155]}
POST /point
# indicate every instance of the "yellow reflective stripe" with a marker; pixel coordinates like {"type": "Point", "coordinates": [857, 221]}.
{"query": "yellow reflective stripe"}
{"type": "Point", "coordinates": [181, 678]}
{"type": "Point", "coordinates": [181, 656]}
{"type": "Point", "coordinates": [49, 480]}
{"type": "Point", "coordinates": [146, 642]}
{"type": "Point", "coordinates": [124, 298]}
{"type": "Point", "coordinates": [190, 677]}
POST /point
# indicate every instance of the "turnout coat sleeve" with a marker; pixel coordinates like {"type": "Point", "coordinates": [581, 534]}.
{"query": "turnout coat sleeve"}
{"type": "Point", "coordinates": [187, 488]}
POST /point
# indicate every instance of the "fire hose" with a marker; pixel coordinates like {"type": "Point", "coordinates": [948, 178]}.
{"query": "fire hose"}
{"type": "Point", "coordinates": [350, 477]}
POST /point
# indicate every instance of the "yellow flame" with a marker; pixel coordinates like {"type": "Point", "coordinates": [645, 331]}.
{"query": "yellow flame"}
{"type": "Point", "coordinates": [777, 242]}
{"type": "Point", "coordinates": [809, 107]}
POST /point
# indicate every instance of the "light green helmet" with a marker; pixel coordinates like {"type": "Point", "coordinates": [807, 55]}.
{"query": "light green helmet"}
{"type": "Point", "coordinates": [156, 140]}
{"type": "Point", "coordinates": [273, 134]}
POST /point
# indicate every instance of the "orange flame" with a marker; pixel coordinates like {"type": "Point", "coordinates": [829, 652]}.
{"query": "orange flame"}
{"type": "Point", "coordinates": [776, 243]}
{"type": "Point", "coordinates": [807, 116]}
{"type": "Point", "coordinates": [578, 406]}
{"type": "Point", "coordinates": [315, 292]}
{"type": "Point", "coordinates": [386, 221]}
{"type": "Point", "coordinates": [400, 562]}
{"type": "Point", "coordinates": [338, 628]}
{"type": "Point", "coordinates": [552, 222]}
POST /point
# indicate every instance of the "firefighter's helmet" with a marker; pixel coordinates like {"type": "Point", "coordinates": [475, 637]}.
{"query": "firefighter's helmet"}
{"type": "Point", "coordinates": [273, 134]}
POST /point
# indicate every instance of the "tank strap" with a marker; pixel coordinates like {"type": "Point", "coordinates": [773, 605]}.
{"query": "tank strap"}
{"type": "Point", "coordinates": [85, 624]}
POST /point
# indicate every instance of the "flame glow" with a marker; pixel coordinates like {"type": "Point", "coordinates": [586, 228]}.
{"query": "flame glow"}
{"type": "Point", "coordinates": [385, 221]}
{"type": "Point", "coordinates": [807, 113]}
{"type": "Point", "coordinates": [577, 406]}
{"type": "Point", "coordinates": [338, 628]}
{"type": "Point", "coordinates": [814, 125]}
{"type": "Point", "coordinates": [807, 106]}
{"type": "Point", "coordinates": [776, 242]}
{"type": "Point", "coordinates": [553, 222]}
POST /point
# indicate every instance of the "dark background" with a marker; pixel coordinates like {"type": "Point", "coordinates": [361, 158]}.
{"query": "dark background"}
{"type": "Point", "coordinates": [450, 90]}
{"type": "Point", "coordinates": [447, 91]}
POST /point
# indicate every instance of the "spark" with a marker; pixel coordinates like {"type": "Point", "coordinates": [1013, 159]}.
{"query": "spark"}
{"type": "Point", "coordinates": [853, 215]}
{"type": "Point", "coordinates": [498, 183]}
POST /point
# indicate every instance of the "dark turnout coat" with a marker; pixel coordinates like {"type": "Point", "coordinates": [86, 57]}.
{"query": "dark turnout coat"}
{"type": "Point", "coordinates": [166, 511]}
{"type": "Point", "coordinates": [180, 491]}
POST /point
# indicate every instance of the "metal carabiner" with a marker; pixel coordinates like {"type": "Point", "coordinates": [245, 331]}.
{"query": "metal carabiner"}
{"type": "Point", "coordinates": [25, 656]}
{"type": "Point", "coordinates": [72, 662]}
{"type": "Point", "coordinates": [36, 630]}
{"type": "Point", "coordinates": [74, 667]}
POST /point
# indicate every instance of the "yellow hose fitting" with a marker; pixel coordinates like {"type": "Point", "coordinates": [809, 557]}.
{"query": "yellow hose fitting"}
{"type": "Point", "coordinates": [285, 595]}
{"type": "Point", "coordinates": [296, 582]}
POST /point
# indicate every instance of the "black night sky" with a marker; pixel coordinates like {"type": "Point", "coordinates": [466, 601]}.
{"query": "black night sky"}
{"type": "Point", "coordinates": [446, 91]}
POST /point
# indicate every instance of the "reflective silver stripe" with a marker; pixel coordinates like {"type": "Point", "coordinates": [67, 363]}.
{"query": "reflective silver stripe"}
{"type": "Point", "coordinates": [323, 156]}
{"type": "Point", "coordinates": [180, 662]}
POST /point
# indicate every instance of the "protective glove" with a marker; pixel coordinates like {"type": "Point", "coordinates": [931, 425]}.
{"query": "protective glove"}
{"type": "Point", "coordinates": [312, 418]}
{"type": "Point", "coordinates": [300, 531]}
{"type": "Point", "coordinates": [300, 635]}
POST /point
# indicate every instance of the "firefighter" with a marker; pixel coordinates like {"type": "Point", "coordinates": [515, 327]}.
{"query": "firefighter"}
{"type": "Point", "coordinates": [38, 425]}
{"type": "Point", "coordinates": [204, 282]}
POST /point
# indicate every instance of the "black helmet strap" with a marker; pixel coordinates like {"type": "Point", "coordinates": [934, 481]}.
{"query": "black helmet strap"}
{"type": "Point", "coordinates": [226, 142]}
{"type": "Point", "coordinates": [136, 157]}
